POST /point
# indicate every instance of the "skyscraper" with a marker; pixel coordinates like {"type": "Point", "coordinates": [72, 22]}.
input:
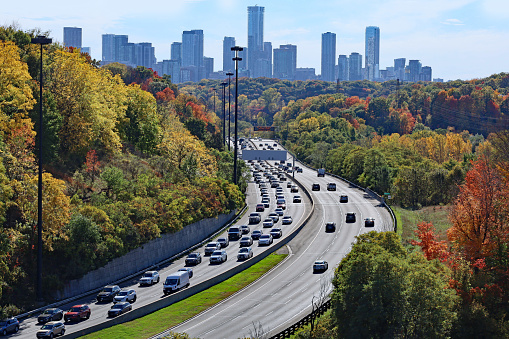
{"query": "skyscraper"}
{"type": "Point", "coordinates": [72, 37]}
{"type": "Point", "coordinates": [343, 68]}
{"type": "Point", "coordinates": [176, 52]}
{"type": "Point", "coordinates": [208, 63]}
{"type": "Point", "coordinates": [355, 67]}
{"type": "Point", "coordinates": [259, 57]}
{"type": "Point", "coordinates": [285, 62]}
{"type": "Point", "coordinates": [415, 70]}
{"type": "Point", "coordinates": [192, 54]}
{"type": "Point", "coordinates": [372, 46]}
{"type": "Point", "coordinates": [228, 54]}
{"type": "Point", "coordinates": [328, 56]}
{"type": "Point", "coordinates": [399, 68]}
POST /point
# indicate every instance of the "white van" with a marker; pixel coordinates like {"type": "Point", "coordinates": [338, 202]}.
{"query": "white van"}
{"type": "Point", "coordinates": [176, 281]}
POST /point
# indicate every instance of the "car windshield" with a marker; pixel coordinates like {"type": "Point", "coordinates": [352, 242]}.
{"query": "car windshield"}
{"type": "Point", "coordinates": [171, 281]}
{"type": "Point", "coordinates": [107, 289]}
{"type": "Point", "coordinates": [265, 236]}
{"type": "Point", "coordinates": [242, 250]}
{"type": "Point", "coordinates": [257, 232]}
{"type": "Point", "coordinates": [148, 275]}
{"type": "Point", "coordinates": [211, 245]}
{"type": "Point", "coordinates": [48, 312]}
{"type": "Point", "coordinates": [47, 327]}
{"type": "Point", "coordinates": [234, 229]}
{"type": "Point", "coordinates": [74, 309]}
{"type": "Point", "coordinates": [192, 255]}
{"type": "Point", "coordinates": [216, 253]}
{"type": "Point", "coordinates": [122, 293]}
{"type": "Point", "coordinates": [119, 306]}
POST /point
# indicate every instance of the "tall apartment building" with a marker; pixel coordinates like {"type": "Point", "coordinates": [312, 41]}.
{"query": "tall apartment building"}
{"type": "Point", "coordinates": [208, 63]}
{"type": "Point", "coordinates": [355, 66]}
{"type": "Point", "coordinates": [72, 37]}
{"type": "Point", "coordinates": [426, 73]}
{"type": "Point", "coordinates": [285, 62]}
{"type": "Point", "coordinates": [414, 68]}
{"type": "Point", "coordinates": [192, 54]}
{"type": "Point", "coordinates": [328, 56]}
{"type": "Point", "coordinates": [259, 57]}
{"type": "Point", "coordinates": [228, 54]}
{"type": "Point", "coordinates": [117, 48]}
{"type": "Point", "coordinates": [343, 69]}
{"type": "Point", "coordinates": [176, 52]}
{"type": "Point", "coordinates": [372, 49]}
{"type": "Point", "coordinates": [399, 68]}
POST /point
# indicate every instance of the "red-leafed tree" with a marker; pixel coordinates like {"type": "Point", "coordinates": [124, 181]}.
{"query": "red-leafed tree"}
{"type": "Point", "coordinates": [431, 247]}
{"type": "Point", "coordinates": [166, 95]}
{"type": "Point", "coordinates": [92, 164]}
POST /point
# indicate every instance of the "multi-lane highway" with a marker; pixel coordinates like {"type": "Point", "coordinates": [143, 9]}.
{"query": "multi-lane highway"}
{"type": "Point", "coordinates": [202, 272]}
{"type": "Point", "coordinates": [285, 295]}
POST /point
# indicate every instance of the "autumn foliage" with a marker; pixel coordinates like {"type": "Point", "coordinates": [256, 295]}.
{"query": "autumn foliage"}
{"type": "Point", "coordinates": [430, 246]}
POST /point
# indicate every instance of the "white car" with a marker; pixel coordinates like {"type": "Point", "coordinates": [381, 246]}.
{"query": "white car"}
{"type": "Point", "coordinates": [125, 295]}
{"type": "Point", "coordinates": [268, 222]}
{"type": "Point", "coordinates": [149, 278]}
{"type": "Point", "coordinates": [245, 253]}
{"type": "Point", "coordinates": [218, 256]}
{"type": "Point", "coordinates": [287, 220]}
{"type": "Point", "coordinates": [265, 239]}
{"type": "Point", "coordinates": [320, 266]}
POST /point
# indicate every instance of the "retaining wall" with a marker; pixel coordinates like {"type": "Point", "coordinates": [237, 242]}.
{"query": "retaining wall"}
{"type": "Point", "coordinates": [145, 256]}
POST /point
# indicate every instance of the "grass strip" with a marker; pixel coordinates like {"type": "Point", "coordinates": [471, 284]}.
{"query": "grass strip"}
{"type": "Point", "coordinates": [175, 314]}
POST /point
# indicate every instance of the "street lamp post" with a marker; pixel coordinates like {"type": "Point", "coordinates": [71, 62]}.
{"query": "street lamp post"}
{"type": "Point", "coordinates": [229, 74]}
{"type": "Point", "coordinates": [237, 49]}
{"type": "Point", "coordinates": [41, 40]}
{"type": "Point", "coordinates": [224, 112]}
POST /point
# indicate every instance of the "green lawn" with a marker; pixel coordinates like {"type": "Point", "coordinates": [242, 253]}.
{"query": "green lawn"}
{"type": "Point", "coordinates": [172, 315]}
{"type": "Point", "coordinates": [408, 220]}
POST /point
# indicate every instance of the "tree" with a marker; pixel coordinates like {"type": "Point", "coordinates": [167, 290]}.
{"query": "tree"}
{"type": "Point", "coordinates": [480, 212]}
{"type": "Point", "coordinates": [380, 291]}
{"type": "Point", "coordinates": [431, 247]}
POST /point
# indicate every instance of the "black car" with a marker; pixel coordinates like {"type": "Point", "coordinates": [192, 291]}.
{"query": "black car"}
{"type": "Point", "coordinates": [343, 198]}
{"type": "Point", "coordinates": [350, 217]}
{"type": "Point", "coordinates": [369, 222]}
{"type": "Point", "coordinates": [297, 199]}
{"type": "Point", "coordinates": [245, 229]}
{"type": "Point", "coordinates": [193, 258]}
{"type": "Point", "coordinates": [331, 186]}
{"type": "Point", "coordinates": [50, 314]}
{"type": "Point", "coordinates": [108, 293]}
{"type": "Point", "coordinates": [315, 187]}
{"type": "Point", "coordinates": [330, 227]}
{"type": "Point", "coordinates": [246, 242]}
{"type": "Point", "coordinates": [119, 308]}
{"type": "Point", "coordinates": [256, 234]}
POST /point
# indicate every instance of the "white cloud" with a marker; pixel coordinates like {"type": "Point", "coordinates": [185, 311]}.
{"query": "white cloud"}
{"type": "Point", "coordinates": [453, 22]}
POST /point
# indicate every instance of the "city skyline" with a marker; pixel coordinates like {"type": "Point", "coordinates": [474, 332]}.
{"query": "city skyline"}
{"type": "Point", "coordinates": [447, 36]}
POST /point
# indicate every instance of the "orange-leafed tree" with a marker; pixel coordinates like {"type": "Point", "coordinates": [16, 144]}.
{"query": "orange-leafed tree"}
{"type": "Point", "coordinates": [428, 242]}
{"type": "Point", "coordinates": [479, 213]}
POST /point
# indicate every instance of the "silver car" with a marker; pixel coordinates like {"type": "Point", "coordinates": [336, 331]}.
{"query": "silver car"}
{"type": "Point", "coordinates": [51, 329]}
{"type": "Point", "coordinates": [245, 253]}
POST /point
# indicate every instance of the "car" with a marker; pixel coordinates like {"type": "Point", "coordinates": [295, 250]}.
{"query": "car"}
{"type": "Point", "coordinates": [245, 229]}
{"type": "Point", "coordinates": [149, 278]}
{"type": "Point", "coordinates": [320, 266]}
{"type": "Point", "coordinates": [51, 329]}
{"type": "Point", "coordinates": [274, 145]}
{"type": "Point", "coordinates": [211, 247]}
{"type": "Point", "coordinates": [299, 170]}
{"type": "Point", "coordinates": [276, 233]}
{"type": "Point", "coordinates": [315, 187]}
{"type": "Point", "coordinates": [289, 184]}
{"type": "Point", "coordinates": [268, 222]}
{"type": "Point", "coordinates": [254, 218]}
{"type": "Point", "coordinates": [193, 258]}
{"type": "Point", "coordinates": [287, 220]}
{"type": "Point", "coordinates": [280, 197]}
{"type": "Point", "coordinates": [331, 186]}
{"type": "Point", "coordinates": [350, 217]}
{"type": "Point", "coordinates": [260, 207]}
{"type": "Point", "coordinates": [128, 295]}
{"type": "Point", "coordinates": [265, 195]}
{"type": "Point", "coordinates": [294, 189]}
{"type": "Point", "coordinates": [218, 256]}
{"type": "Point", "coordinates": [223, 241]}
{"type": "Point", "coordinates": [281, 203]}
{"type": "Point", "coordinates": [330, 227]}
{"type": "Point", "coordinates": [279, 211]}
{"type": "Point", "coordinates": [369, 222]}
{"type": "Point", "coordinates": [77, 312]}
{"type": "Point", "coordinates": [274, 216]}
{"type": "Point", "coordinates": [343, 198]}
{"type": "Point", "coordinates": [246, 241]}
{"type": "Point", "coordinates": [321, 172]}
{"type": "Point", "coordinates": [256, 234]}
{"type": "Point", "coordinates": [265, 239]}
{"type": "Point", "coordinates": [235, 232]}
{"type": "Point", "coordinates": [297, 199]}
{"type": "Point", "coordinates": [108, 293]}
{"type": "Point", "coordinates": [189, 270]}
{"type": "Point", "coordinates": [279, 190]}
{"type": "Point", "coordinates": [264, 190]}
{"type": "Point", "coordinates": [265, 202]}
{"type": "Point", "coordinates": [119, 308]}
{"type": "Point", "coordinates": [245, 253]}
{"type": "Point", "coordinates": [50, 314]}
{"type": "Point", "coordinates": [282, 178]}
{"type": "Point", "coordinates": [274, 184]}
{"type": "Point", "coordinates": [10, 325]}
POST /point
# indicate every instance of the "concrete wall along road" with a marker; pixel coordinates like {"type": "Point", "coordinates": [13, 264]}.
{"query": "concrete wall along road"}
{"type": "Point", "coordinates": [145, 256]}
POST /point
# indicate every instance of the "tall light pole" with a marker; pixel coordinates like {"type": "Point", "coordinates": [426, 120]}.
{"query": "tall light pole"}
{"type": "Point", "coordinates": [224, 112]}
{"type": "Point", "coordinates": [229, 74]}
{"type": "Point", "coordinates": [41, 40]}
{"type": "Point", "coordinates": [237, 49]}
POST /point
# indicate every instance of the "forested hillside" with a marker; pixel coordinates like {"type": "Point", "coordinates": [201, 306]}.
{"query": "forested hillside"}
{"type": "Point", "coordinates": [126, 158]}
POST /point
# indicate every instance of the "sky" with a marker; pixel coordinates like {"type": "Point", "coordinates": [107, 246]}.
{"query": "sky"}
{"type": "Point", "coordinates": [459, 39]}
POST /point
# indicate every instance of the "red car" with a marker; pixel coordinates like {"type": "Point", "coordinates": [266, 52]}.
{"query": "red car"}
{"type": "Point", "coordinates": [77, 312]}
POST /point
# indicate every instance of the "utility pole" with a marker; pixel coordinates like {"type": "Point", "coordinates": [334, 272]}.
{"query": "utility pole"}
{"type": "Point", "coordinates": [229, 74]}
{"type": "Point", "coordinates": [237, 49]}
{"type": "Point", "coordinates": [397, 93]}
